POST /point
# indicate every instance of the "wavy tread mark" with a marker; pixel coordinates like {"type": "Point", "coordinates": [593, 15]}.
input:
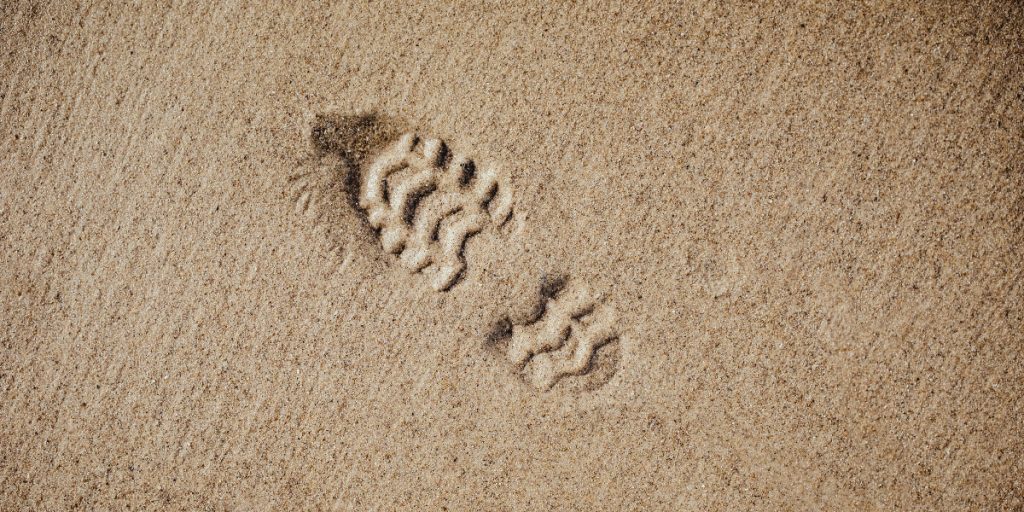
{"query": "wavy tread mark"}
{"type": "Point", "coordinates": [551, 369]}
{"type": "Point", "coordinates": [425, 210]}
{"type": "Point", "coordinates": [572, 317]}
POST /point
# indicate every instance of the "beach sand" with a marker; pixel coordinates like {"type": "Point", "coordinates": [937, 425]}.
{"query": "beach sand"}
{"type": "Point", "coordinates": [403, 256]}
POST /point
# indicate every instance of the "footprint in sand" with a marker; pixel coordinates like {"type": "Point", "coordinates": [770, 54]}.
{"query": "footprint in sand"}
{"type": "Point", "coordinates": [420, 201]}
{"type": "Point", "coordinates": [570, 332]}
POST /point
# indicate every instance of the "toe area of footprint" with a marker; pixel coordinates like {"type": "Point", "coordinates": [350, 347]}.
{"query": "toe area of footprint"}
{"type": "Point", "coordinates": [419, 199]}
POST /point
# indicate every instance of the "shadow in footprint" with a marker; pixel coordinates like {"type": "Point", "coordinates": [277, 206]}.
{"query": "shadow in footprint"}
{"type": "Point", "coordinates": [421, 201]}
{"type": "Point", "coordinates": [326, 186]}
{"type": "Point", "coordinates": [352, 139]}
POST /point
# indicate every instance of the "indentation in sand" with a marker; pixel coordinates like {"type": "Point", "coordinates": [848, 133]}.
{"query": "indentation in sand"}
{"type": "Point", "coordinates": [426, 203]}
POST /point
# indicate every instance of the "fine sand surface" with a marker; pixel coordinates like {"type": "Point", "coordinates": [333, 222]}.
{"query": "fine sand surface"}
{"type": "Point", "coordinates": [544, 256]}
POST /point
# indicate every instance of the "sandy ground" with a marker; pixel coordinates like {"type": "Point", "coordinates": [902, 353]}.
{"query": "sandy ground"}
{"type": "Point", "coordinates": [785, 242]}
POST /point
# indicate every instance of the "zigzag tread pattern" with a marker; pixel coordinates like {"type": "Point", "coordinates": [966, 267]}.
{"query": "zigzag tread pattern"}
{"type": "Point", "coordinates": [563, 340]}
{"type": "Point", "coordinates": [426, 203]}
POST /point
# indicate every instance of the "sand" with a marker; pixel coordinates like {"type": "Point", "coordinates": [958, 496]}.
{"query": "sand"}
{"type": "Point", "coordinates": [663, 256]}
